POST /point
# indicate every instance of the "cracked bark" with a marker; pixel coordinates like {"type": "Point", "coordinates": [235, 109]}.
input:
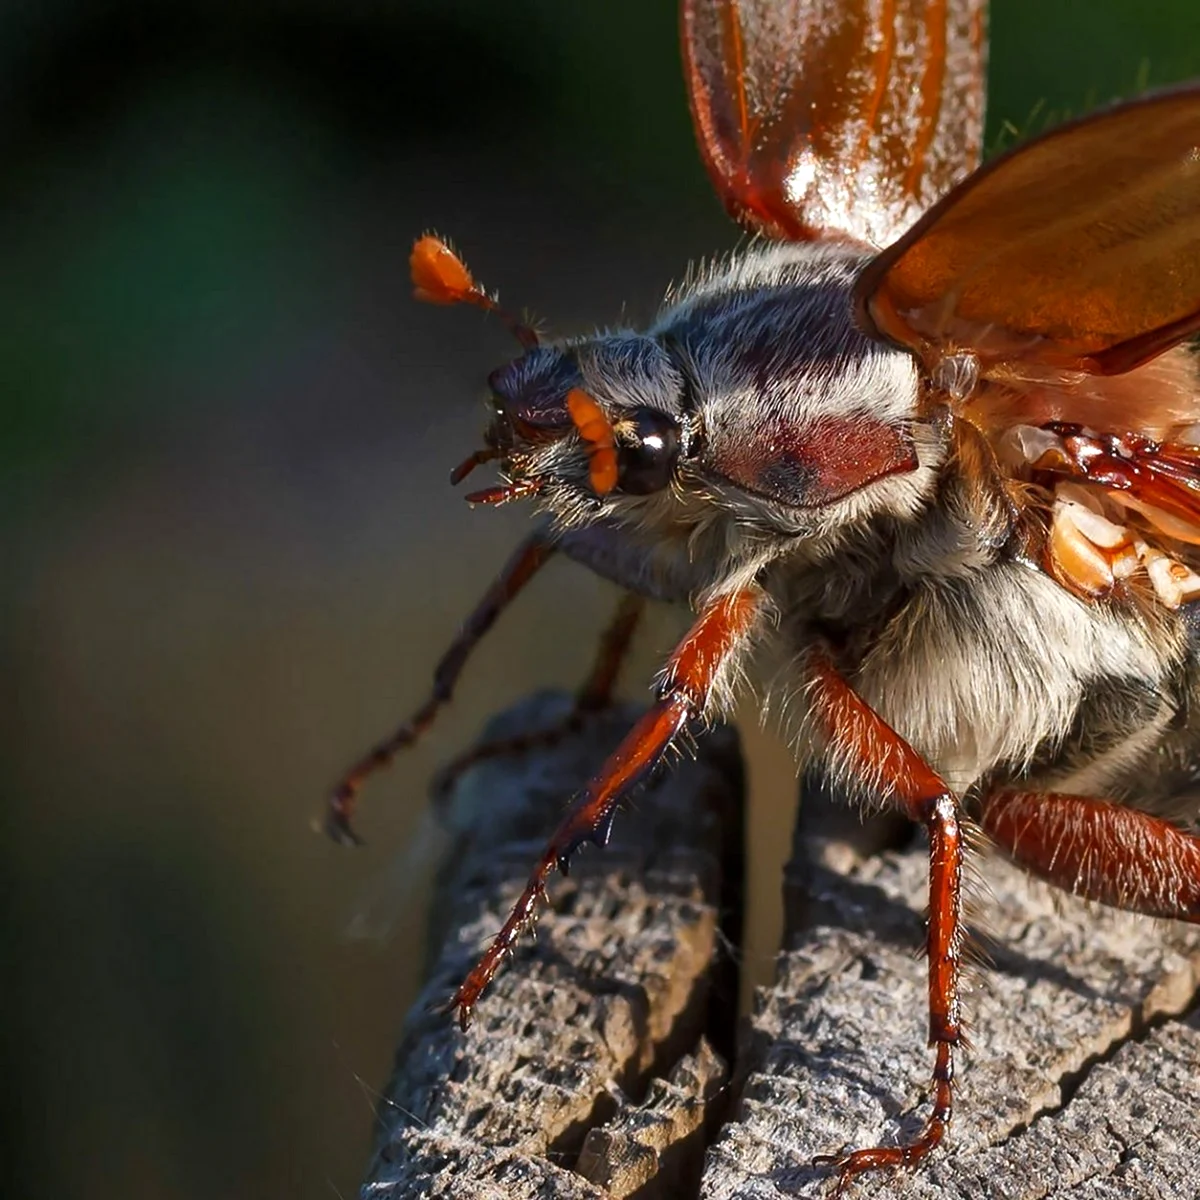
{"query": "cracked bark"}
{"type": "Point", "coordinates": [557, 1089]}
{"type": "Point", "coordinates": [589, 1072]}
{"type": "Point", "coordinates": [1082, 1081]}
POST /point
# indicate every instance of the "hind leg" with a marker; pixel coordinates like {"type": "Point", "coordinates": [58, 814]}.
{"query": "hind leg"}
{"type": "Point", "coordinates": [1099, 850]}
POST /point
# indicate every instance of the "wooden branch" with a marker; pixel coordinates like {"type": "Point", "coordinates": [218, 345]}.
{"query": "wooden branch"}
{"type": "Point", "coordinates": [627, 977]}
{"type": "Point", "coordinates": [590, 1070]}
{"type": "Point", "coordinates": [1079, 1081]}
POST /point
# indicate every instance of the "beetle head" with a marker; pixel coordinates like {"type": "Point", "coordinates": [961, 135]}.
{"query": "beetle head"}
{"type": "Point", "coordinates": [754, 394]}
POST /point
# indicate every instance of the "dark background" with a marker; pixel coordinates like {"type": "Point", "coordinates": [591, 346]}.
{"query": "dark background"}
{"type": "Point", "coordinates": [230, 554]}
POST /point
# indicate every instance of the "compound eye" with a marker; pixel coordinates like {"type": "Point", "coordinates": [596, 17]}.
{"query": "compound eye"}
{"type": "Point", "coordinates": [647, 451]}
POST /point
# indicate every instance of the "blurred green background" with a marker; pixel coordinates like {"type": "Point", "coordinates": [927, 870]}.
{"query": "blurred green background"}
{"type": "Point", "coordinates": [230, 553]}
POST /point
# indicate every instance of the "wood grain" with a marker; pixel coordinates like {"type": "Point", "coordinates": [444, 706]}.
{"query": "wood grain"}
{"type": "Point", "coordinates": [627, 976]}
{"type": "Point", "coordinates": [1077, 1003]}
{"type": "Point", "coordinates": [591, 1071]}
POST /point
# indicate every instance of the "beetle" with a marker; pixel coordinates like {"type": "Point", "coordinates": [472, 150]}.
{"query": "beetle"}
{"type": "Point", "coordinates": [929, 445]}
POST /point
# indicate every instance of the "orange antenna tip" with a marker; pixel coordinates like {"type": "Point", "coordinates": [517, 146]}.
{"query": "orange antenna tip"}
{"type": "Point", "coordinates": [439, 276]}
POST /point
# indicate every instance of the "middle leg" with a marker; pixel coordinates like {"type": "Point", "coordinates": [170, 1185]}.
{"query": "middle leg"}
{"type": "Point", "coordinates": [859, 738]}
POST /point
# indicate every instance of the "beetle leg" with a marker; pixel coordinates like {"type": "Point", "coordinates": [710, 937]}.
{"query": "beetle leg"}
{"type": "Point", "coordinates": [857, 736]}
{"type": "Point", "coordinates": [528, 558]}
{"type": "Point", "coordinates": [594, 696]}
{"type": "Point", "coordinates": [596, 692]}
{"type": "Point", "coordinates": [1100, 850]}
{"type": "Point", "coordinates": [686, 684]}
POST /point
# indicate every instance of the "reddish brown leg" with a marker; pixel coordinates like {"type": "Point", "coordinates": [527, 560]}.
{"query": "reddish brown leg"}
{"type": "Point", "coordinates": [859, 736]}
{"type": "Point", "coordinates": [525, 562]}
{"type": "Point", "coordinates": [594, 696]}
{"type": "Point", "coordinates": [596, 692]}
{"type": "Point", "coordinates": [718, 633]}
{"type": "Point", "coordinates": [1099, 850]}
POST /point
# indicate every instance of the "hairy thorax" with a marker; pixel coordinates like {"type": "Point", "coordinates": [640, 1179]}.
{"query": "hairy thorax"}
{"type": "Point", "coordinates": [982, 662]}
{"type": "Point", "coordinates": [920, 578]}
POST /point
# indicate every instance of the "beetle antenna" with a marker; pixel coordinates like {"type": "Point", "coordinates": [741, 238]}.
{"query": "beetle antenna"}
{"type": "Point", "coordinates": [440, 277]}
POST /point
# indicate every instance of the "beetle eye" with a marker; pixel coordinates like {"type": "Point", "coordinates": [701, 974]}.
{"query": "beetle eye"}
{"type": "Point", "coordinates": [647, 451]}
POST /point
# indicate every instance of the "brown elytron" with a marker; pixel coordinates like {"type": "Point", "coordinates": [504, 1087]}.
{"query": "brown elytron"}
{"type": "Point", "coordinates": [933, 439]}
{"type": "Point", "coordinates": [1078, 227]}
{"type": "Point", "coordinates": [835, 119]}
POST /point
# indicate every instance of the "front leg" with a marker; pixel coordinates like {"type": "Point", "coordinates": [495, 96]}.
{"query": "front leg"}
{"type": "Point", "coordinates": [525, 562]}
{"type": "Point", "coordinates": [721, 631]}
{"type": "Point", "coordinates": [862, 744]}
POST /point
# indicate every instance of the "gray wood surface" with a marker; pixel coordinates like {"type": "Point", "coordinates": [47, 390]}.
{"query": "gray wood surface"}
{"type": "Point", "coordinates": [1080, 1081]}
{"type": "Point", "coordinates": [590, 1070]}
{"type": "Point", "coordinates": [626, 975]}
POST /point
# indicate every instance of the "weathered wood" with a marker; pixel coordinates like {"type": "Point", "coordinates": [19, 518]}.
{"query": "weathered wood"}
{"type": "Point", "coordinates": [626, 978]}
{"type": "Point", "coordinates": [1078, 1082]}
{"type": "Point", "coordinates": [587, 1075]}
{"type": "Point", "coordinates": [656, 1148]}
